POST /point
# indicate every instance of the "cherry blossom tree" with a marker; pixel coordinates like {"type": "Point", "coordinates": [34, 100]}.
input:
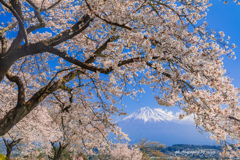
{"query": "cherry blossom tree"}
{"type": "Point", "coordinates": [125, 152]}
{"type": "Point", "coordinates": [32, 134]}
{"type": "Point", "coordinates": [10, 146]}
{"type": "Point", "coordinates": [83, 128]}
{"type": "Point", "coordinates": [101, 51]}
{"type": "Point", "coordinates": [150, 149]}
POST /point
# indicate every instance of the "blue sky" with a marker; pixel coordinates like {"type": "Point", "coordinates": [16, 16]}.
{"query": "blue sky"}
{"type": "Point", "coordinates": [221, 17]}
{"type": "Point", "coordinates": [226, 17]}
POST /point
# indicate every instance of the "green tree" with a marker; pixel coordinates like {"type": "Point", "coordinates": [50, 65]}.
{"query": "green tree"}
{"type": "Point", "coordinates": [151, 149]}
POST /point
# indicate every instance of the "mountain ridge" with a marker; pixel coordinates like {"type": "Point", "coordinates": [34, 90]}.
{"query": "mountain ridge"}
{"type": "Point", "coordinates": [148, 114]}
{"type": "Point", "coordinates": [157, 115]}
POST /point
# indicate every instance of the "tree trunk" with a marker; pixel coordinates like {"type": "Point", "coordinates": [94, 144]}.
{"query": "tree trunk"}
{"type": "Point", "coordinates": [58, 151]}
{"type": "Point", "coordinates": [9, 151]}
{"type": "Point", "coordinates": [9, 145]}
{"type": "Point", "coordinates": [3, 69]}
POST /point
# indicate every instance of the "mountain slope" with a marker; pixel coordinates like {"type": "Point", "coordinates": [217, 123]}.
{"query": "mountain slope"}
{"type": "Point", "coordinates": [148, 114]}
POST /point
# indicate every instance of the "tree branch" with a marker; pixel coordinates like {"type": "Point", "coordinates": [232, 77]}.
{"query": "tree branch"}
{"type": "Point", "coordinates": [20, 20]}
{"type": "Point", "coordinates": [16, 11]}
{"type": "Point", "coordinates": [89, 67]}
{"type": "Point", "coordinates": [233, 118]}
{"type": "Point", "coordinates": [21, 90]}
{"type": "Point", "coordinates": [9, 27]}
{"type": "Point", "coordinates": [109, 22]}
{"type": "Point", "coordinates": [52, 6]}
{"type": "Point", "coordinates": [39, 17]}
{"type": "Point", "coordinates": [18, 113]}
{"type": "Point", "coordinates": [77, 28]}
{"type": "Point", "coordinates": [72, 60]}
{"type": "Point", "coordinates": [100, 49]}
{"type": "Point", "coordinates": [13, 25]}
{"type": "Point", "coordinates": [4, 45]}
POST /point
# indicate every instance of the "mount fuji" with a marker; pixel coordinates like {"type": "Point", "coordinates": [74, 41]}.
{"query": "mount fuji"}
{"type": "Point", "coordinates": [162, 126]}
{"type": "Point", "coordinates": [147, 114]}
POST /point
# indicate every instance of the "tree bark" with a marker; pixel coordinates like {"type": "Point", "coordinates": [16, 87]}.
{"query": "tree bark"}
{"type": "Point", "coordinates": [19, 112]}
{"type": "Point", "coordinates": [3, 69]}
{"type": "Point", "coordinates": [58, 150]}
{"type": "Point", "coordinates": [11, 56]}
{"type": "Point", "coordinates": [9, 146]}
{"type": "Point", "coordinates": [9, 151]}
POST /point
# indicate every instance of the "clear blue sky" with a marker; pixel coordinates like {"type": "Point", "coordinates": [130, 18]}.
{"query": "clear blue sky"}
{"type": "Point", "coordinates": [226, 17]}
{"type": "Point", "coordinates": [221, 17]}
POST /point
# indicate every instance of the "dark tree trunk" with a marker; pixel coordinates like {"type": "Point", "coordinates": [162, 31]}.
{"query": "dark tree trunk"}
{"type": "Point", "coordinates": [3, 69]}
{"type": "Point", "coordinates": [16, 51]}
{"type": "Point", "coordinates": [58, 150]}
{"type": "Point", "coordinates": [9, 151]}
{"type": "Point", "coordinates": [9, 146]}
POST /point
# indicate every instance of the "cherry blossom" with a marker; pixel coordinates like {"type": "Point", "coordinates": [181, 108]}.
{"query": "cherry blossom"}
{"type": "Point", "coordinates": [123, 151]}
{"type": "Point", "coordinates": [77, 59]}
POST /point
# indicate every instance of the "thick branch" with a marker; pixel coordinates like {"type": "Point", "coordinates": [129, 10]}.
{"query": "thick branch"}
{"type": "Point", "coordinates": [20, 20]}
{"type": "Point", "coordinates": [89, 67]}
{"type": "Point", "coordinates": [58, 151]}
{"type": "Point", "coordinates": [16, 11]}
{"type": "Point", "coordinates": [6, 60]}
{"type": "Point", "coordinates": [4, 45]}
{"type": "Point", "coordinates": [21, 90]}
{"type": "Point", "coordinates": [36, 10]}
{"type": "Point", "coordinates": [72, 60]}
{"type": "Point", "coordinates": [14, 24]}
{"type": "Point", "coordinates": [18, 113]}
{"type": "Point", "coordinates": [9, 146]}
{"type": "Point", "coordinates": [9, 27]}
{"type": "Point", "coordinates": [71, 32]}
{"type": "Point", "coordinates": [16, 51]}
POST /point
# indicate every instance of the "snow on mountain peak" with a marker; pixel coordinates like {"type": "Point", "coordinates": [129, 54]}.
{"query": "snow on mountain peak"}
{"type": "Point", "coordinates": [148, 114]}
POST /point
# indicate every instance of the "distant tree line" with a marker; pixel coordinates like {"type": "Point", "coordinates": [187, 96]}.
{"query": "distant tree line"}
{"type": "Point", "coordinates": [180, 147]}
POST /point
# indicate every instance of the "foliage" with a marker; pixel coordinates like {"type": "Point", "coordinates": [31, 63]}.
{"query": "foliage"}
{"type": "Point", "coordinates": [2, 157]}
{"type": "Point", "coordinates": [178, 147]}
{"type": "Point", "coordinates": [150, 149]}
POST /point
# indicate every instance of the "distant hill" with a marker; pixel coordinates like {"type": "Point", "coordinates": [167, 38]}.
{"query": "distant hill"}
{"type": "Point", "coordinates": [162, 126]}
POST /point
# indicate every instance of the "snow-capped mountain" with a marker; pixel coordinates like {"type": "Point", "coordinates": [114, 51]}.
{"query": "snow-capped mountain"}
{"type": "Point", "coordinates": [148, 114]}
{"type": "Point", "coordinates": [162, 126]}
